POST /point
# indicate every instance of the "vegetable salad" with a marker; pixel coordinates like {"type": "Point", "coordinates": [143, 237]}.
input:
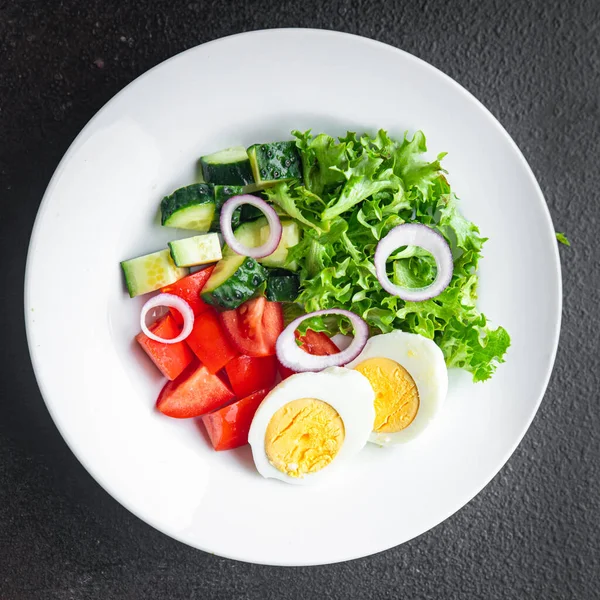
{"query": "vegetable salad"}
{"type": "Point", "coordinates": [297, 241]}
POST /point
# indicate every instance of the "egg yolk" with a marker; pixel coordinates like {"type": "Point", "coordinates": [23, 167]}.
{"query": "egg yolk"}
{"type": "Point", "coordinates": [304, 436]}
{"type": "Point", "coordinates": [396, 394]}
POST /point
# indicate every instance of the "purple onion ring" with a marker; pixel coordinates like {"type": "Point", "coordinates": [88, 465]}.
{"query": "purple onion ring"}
{"type": "Point", "coordinates": [415, 234]}
{"type": "Point", "coordinates": [275, 228]}
{"type": "Point", "coordinates": [170, 301]}
{"type": "Point", "coordinates": [290, 355]}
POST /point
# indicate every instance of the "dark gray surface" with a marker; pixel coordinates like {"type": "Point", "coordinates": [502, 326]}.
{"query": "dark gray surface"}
{"type": "Point", "coordinates": [534, 531]}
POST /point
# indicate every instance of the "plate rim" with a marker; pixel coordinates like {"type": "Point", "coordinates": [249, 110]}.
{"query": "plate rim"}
{"type": "Point", "coordinates": [49, 191]}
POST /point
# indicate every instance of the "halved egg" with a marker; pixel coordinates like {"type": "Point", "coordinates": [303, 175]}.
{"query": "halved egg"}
{"type": "Point", "coordinates": [312, 423]}
{"type": "Point", "coordinates": [409, 377]}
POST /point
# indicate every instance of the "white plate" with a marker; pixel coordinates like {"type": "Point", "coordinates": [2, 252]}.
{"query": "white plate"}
{"type": "Point", "coordinates": [100, 208]}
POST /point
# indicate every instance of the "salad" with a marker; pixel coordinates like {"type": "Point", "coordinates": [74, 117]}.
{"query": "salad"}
{"type": "Point", "coordinates": [328, 287]}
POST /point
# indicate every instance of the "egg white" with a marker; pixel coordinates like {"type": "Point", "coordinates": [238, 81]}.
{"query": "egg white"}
{"type": "Point", "coordinates": [348, 392]}
{"type": "Point", "coordinates": [424, 360]}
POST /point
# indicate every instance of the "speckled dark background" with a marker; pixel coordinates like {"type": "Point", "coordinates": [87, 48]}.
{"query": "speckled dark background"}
{"type": "Point", "coordinates": [534, 531]}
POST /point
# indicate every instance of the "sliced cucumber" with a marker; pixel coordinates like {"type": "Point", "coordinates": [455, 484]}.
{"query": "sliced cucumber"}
{"type": "Point", "coordinates": [272, 163]}
{"type": "Point", "coordinates": [282, 286]}
{"type": "Point", "coordinates": [289, 237]}
{"type": "Point", "coordinates": [233, 281]}
{"type": "Point", "coordinates": [191, 207]}
{"type": "Point", "coordinates": [197, 250]}
{"type": "Point", "coordinates": [224, 192]}
{"type": "Point", "coordinates": [224, 269]}
{"type": "Point", "coordinates": [242, 214]}
{"type": "Point", "coordinates": [151, 272]}
{"type": "Point", "coordinates": [248, 234]}
{"type": "Point", "coordinates": [256, 233]}
{"type": "Point", "coordinates": [227, 167]}
{"type": "Point", "coordinates": [250, 213]}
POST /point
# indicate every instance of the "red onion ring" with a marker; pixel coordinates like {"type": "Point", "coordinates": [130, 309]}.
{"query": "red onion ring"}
{"type": "Point", "coordinates": [170, 301]}
{"type": "Point", "coordinates": [415, 234]}
{"type": "Point", "coordinates": [290, 355]}
{"type": "Point", "coordinates": [275, 228]}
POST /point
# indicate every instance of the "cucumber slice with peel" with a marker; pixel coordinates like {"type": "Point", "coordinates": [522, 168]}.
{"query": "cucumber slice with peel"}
{"type": "Point", "coordinates": [198, 250]}
{"type": "Point", "coordinates": [151, 272]}
{"type": "Point", "coordinates": [290, 236]}
{"type": "Point", "coordinates": [190, 207]}
{"type": "Point", "coordinates": [248, 234]}
{"type": "Point", "coordinates": [242, 214]}
{"type": "Point", "coordinates": [282, 286]}
{"type": "Point", "coordinates": [234, 280]}
{"type": "Point", "coordinates": [256, 233]}
{"type": "Point", "coordinates": [224, 192]}
{"type": "Point", "coordinates": [227, 167]}
{"type": "Point", "coordinates": [275, 162]}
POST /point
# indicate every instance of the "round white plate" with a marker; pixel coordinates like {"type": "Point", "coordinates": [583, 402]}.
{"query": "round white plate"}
{"type": "Point", "coordinates": [100, 208]}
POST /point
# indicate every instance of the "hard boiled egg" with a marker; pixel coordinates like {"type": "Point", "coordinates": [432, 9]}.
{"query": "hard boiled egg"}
{"type": "Point", "coordinates": [410, 380]}
{"type": "Point", "coordinates": [312, 423]}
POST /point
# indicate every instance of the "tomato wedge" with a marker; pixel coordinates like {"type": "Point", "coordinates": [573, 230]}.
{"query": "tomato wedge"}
{"type": "Point", "coordinates": [170, 359]}
{"type": "Point", "coordinates": [189, 289]}
{"type": "Point", "coordinates": [228, 427]}
{"type": "Point", "coordinates": [248, 374]}
{"type": "Point", "coordinates": [254, 327]}
{"type": "Point", "coordinates": [194, 393]}
{"type": "Point", "coordinates": [209, 342]}
{"type": "Point", "coordinates": [317, 343]}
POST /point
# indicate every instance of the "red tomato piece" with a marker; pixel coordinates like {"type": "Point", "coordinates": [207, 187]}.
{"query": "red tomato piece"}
{"type": "Point", "coordinates": [189, 289]}
{"type": "Point", "coordinates": [209, 342]}
{"type": "Point", "coordinates": [317, 343]}
{"type": "Point", "coordinates": [284, 371]}
{"type": "Point", "coordinates": [254, 326]}
{"type": "Point", "coordinates": [194, 393]}
{"type": "Point", "coordinates": [228, 427]}
{"type": "Point", "coordinates": [248, 374]}
{"type": "Point", "coordinates": [171, 359]}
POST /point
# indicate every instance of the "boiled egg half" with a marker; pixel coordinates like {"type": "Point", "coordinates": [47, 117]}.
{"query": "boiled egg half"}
{"type": "Point", "coordinates": [311, 424]}
{"type": "Point", "coordinates": [409, 377]}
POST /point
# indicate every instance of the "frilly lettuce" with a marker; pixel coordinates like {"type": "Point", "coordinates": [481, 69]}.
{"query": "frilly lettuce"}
{"type": "Point", "coordinates": [354, 191]}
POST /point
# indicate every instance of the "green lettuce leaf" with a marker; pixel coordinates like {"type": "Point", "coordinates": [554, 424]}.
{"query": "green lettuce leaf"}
{"type": "Point", "coordinates": [412, 167]}
{"type": "Point", "coordinates": [321, 160]}
{"type": "Point", "coordinates": [364, 178]}
{"type": "Point", "coordinates": [296, 201]}
{"type": "Point", "coordinates": [354, 192]}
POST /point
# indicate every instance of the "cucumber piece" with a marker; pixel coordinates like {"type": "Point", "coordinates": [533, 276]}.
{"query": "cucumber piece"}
{"type": "Point", "coordinates": [233, 281]}
{"type": "Point", "coordinates": [290, 236]}
{"type": "Point", "coordinates": [190, 207]}
{"type": "Point", "coordinates": [282, 285]}
{"type": "Point", "coordinates": [151, 272]}
{"type": "Point", "coordinates": [248, 234]}
{"type": "Point", "coordinates": [227, 167]}
{"type": "Point", "coordinates": [272, 163]}
{"type": "Point", "coordinates": [250, 213]}
{"type": "Point", "coordinates": [256, 233]}
{"type": "Point", "coordinates": [197, 250]}
{"type": "Point", "coordinates": [224, 192]}
{"type": "Point", "coordinates": [242, 214]}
